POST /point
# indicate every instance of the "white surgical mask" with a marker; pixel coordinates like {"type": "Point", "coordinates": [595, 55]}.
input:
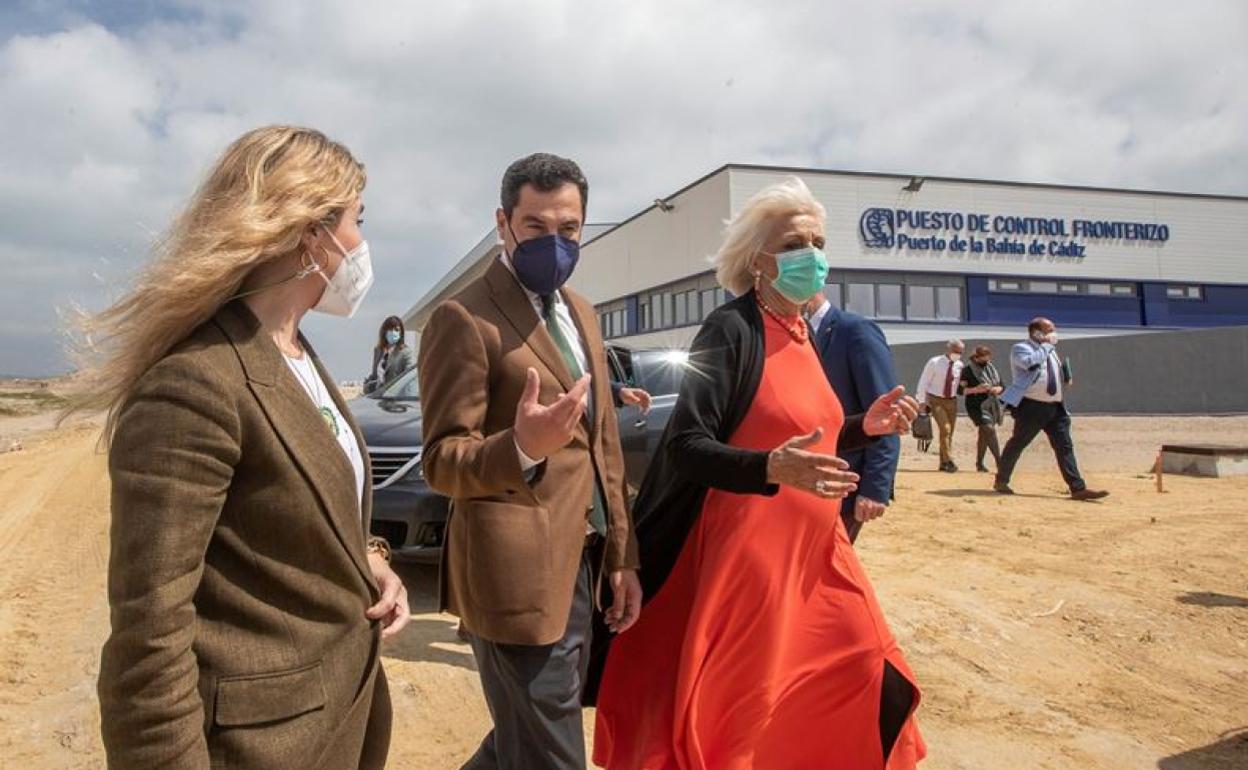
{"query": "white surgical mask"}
{"type": "Point", "coordinates": [352, 280]}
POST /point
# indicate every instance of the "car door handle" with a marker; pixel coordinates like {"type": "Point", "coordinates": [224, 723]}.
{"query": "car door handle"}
{"type": "Point", "coordinates": [640, 423]}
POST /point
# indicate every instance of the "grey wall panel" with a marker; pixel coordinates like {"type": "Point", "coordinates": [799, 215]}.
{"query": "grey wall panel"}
{"type": "Point", "coordinates": [1181, 372]}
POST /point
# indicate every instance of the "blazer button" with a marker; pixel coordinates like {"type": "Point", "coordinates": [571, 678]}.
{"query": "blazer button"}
{"type": "Point", "coordinates": [511, 491]}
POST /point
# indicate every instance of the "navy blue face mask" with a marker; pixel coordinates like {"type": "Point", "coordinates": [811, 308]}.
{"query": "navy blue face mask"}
{"type": "Point", "coordinates": [545, 263]}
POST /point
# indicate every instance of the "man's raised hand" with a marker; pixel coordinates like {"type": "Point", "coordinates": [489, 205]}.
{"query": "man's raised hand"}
{"type": "Point", "coordinates": [541, 430]}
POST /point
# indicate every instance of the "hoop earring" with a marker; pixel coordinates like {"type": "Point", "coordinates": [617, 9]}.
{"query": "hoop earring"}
{"type": "Point", "coordinates": [306, 270]}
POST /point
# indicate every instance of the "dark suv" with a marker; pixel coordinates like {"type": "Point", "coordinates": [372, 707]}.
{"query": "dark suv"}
{"type": "Point", "coordinates": [411, 516]}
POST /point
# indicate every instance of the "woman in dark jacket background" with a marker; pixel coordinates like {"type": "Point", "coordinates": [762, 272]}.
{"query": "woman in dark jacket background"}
{"type": "Point", "coordinates": [981, 384]}
{"type": "Point", "coordinates": [391, 355]}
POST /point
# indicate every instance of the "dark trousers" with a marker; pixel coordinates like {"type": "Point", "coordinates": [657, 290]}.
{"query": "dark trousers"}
{"type": "Point", "coordinates": [534, 693]}
{"type": "Point", "coordinates": [852, 525]}
{"type": "Point", "coordinates": [1031, 417]}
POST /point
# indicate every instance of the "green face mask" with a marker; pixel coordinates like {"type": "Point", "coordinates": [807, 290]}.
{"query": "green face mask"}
{"type": "Point", "coordinates": [802, 273]}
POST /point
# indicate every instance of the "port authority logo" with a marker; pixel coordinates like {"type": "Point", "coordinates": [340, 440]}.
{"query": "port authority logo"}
{"type": "Point", "coordinates": [877, 228]}
{"type": "Point", "coordinates": [1031, 237]}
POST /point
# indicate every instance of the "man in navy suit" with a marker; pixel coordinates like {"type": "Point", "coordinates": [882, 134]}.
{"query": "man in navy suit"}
{"type": "Point", "coordinates": [859, 365]}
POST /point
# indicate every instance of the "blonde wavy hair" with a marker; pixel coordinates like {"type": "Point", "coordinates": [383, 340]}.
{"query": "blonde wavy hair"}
{"type": "Point", "coordinates": [749, 228]}
{"type": "Point", "coordinates": [254, 206]}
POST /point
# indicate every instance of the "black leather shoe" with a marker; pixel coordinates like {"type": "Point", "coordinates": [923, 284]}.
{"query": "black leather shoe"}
{"type": "Point", "coordinates": [981, 468]}
{"type": "Point", "coordinates": [1088, 494]}
{"type": "Point", "coordinates": [1002, 487]}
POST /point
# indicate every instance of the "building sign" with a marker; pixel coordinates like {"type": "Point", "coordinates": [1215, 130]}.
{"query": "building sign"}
{"type": "Point", "coordinates": [973, 233]}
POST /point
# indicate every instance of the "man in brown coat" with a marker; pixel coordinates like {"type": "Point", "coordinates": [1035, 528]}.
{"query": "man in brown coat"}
{"type": "Point", "coordinates": [521, 435]}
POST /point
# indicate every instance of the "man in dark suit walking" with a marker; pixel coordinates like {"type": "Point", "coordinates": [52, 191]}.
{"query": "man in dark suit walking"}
{"type": "Point", "coordinates": [1037, 400]}
{"type": "Point", "coordinates": [859, 365]}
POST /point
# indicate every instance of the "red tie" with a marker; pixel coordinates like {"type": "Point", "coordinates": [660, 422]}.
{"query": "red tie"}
{"type": "Point", "coordinates": [949, 380]}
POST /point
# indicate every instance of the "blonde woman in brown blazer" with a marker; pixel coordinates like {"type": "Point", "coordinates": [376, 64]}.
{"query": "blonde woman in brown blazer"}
{"type": "Point", "coordinates": [247, 606]}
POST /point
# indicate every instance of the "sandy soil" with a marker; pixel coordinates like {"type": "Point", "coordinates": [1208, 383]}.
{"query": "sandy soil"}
{"type": "Point", "coordinates": [1045, 633]}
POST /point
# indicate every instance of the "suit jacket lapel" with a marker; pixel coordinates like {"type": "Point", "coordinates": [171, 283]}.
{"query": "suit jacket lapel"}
{"type": "Point", "coordinates": [366, 497]}
{"type": "Point", "coordinates": [301, 429]}
{"type": "Point", "coordinates": [828, 327]}
{"type": "Point", "coordinates": [516, 308]}
{"type": "Point", "coordinates": [599, 381]}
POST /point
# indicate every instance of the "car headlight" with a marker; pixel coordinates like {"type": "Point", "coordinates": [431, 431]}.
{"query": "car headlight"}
{"type": "Point", "coordinates": [415, 473]}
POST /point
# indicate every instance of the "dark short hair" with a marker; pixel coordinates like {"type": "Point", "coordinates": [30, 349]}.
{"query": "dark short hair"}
{"type": "Point", "coordinates": [983, 351]}
{"type": "Point", "coordinates": [1037, 324]}
{"type": "Point", "coordinates": [544, 171]}
{"type": "Point", "coordinates": [393, 322]}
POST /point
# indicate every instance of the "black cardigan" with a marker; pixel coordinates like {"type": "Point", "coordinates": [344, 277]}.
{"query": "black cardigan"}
{"type": "Point", "coordinates": [724, 371]}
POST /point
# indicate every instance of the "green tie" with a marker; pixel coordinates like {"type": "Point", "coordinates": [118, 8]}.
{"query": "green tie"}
{"type": "Point", "coordinates": [597, 515]}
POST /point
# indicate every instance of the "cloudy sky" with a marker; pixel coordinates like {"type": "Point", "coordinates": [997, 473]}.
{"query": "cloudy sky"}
{"type": "Point", "coordinates": [112, 109]}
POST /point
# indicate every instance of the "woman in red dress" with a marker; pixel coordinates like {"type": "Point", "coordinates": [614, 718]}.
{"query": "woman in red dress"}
{"type": "Point", "coordinates": [763, 645]}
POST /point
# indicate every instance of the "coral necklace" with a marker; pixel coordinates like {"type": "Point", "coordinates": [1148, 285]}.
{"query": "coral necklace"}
{"type": "Point", "coordinates": [794, 325]}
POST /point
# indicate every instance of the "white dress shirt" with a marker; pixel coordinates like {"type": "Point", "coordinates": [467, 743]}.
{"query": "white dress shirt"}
{"type": "Point", "coordinates": [817, 317]}
{"type": "Point", "coordinates": [563, 316]}
{"type": "Point", "coordinates": [932, 381]}
{"type": "Point", "coordinates": [1039, 390]}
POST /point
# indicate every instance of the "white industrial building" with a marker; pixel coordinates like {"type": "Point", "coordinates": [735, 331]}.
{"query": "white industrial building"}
{"type": "Point", "coordinates": [927, 257]}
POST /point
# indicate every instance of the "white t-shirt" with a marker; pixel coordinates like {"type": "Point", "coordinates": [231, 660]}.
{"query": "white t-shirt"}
{"type": "Point", "coordinates": [316, 389]}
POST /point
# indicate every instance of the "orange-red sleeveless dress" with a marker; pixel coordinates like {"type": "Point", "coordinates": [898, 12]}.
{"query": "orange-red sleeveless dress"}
{"type": "Point", "coordinates": [765, 648]}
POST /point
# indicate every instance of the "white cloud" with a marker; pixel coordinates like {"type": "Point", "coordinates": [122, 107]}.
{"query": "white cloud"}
{"type": "Point", "coordinates": [108, 125]}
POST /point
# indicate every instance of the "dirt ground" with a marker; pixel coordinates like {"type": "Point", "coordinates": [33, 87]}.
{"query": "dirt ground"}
{"type": "Point", "coordinates": [1044, 633]}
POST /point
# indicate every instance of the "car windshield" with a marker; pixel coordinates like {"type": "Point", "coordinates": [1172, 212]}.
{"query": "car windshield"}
{"type": "Point", "coordinates": [405, 387]}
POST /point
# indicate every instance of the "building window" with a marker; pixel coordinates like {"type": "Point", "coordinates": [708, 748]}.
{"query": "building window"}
{"type": "Point", "coordinates": [1061, 287]}
{"type": "Point", "coordinates": [708, 302]}
{"type": "Point", "coordinates": [860, 299]}
{"type": "Point", "coordinates": [1184, 291]}
{"type": "Point", "coordinates": [921, 303]}
{"type": "Point", "coordinates": [888, 301]}
{"type": "Point", "coordinates": [948, 303]}
{"type": "Point", "coordinates": [833, 292]}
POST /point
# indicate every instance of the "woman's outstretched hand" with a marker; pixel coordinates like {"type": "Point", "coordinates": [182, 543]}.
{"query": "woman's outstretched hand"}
{"type": "Point", "coordinates": [819, 474]}
{"type": "Point", "coordinates": [890, 413]}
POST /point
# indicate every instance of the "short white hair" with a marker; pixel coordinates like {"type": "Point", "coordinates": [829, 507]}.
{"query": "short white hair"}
{"type": "Point", "coordinates": [954, 343]}
{"type": "Point", "coordinates": [748, 229]}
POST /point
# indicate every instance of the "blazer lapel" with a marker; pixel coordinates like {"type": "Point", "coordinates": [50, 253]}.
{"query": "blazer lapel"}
{"type": "Point", "coordinates": [827, 327]}
{"type": "Point", "coordinates": [302, 430]}
{"type": "Point", "coordinates": [366, 497]}
{"type": "Point", "coordinates": [515, 307]}
{"type": "Point", "coordinates": [599, 381]}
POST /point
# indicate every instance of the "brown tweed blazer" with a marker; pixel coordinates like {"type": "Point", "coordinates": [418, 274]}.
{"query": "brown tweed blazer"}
{"type": "Point", "coordinates": [238, 578]}
{"type": "Point", "coordinates": [513, 546]}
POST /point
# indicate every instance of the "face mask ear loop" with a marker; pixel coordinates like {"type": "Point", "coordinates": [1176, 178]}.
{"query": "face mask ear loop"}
{"type": "Point", "coordinates": [514, 239]}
